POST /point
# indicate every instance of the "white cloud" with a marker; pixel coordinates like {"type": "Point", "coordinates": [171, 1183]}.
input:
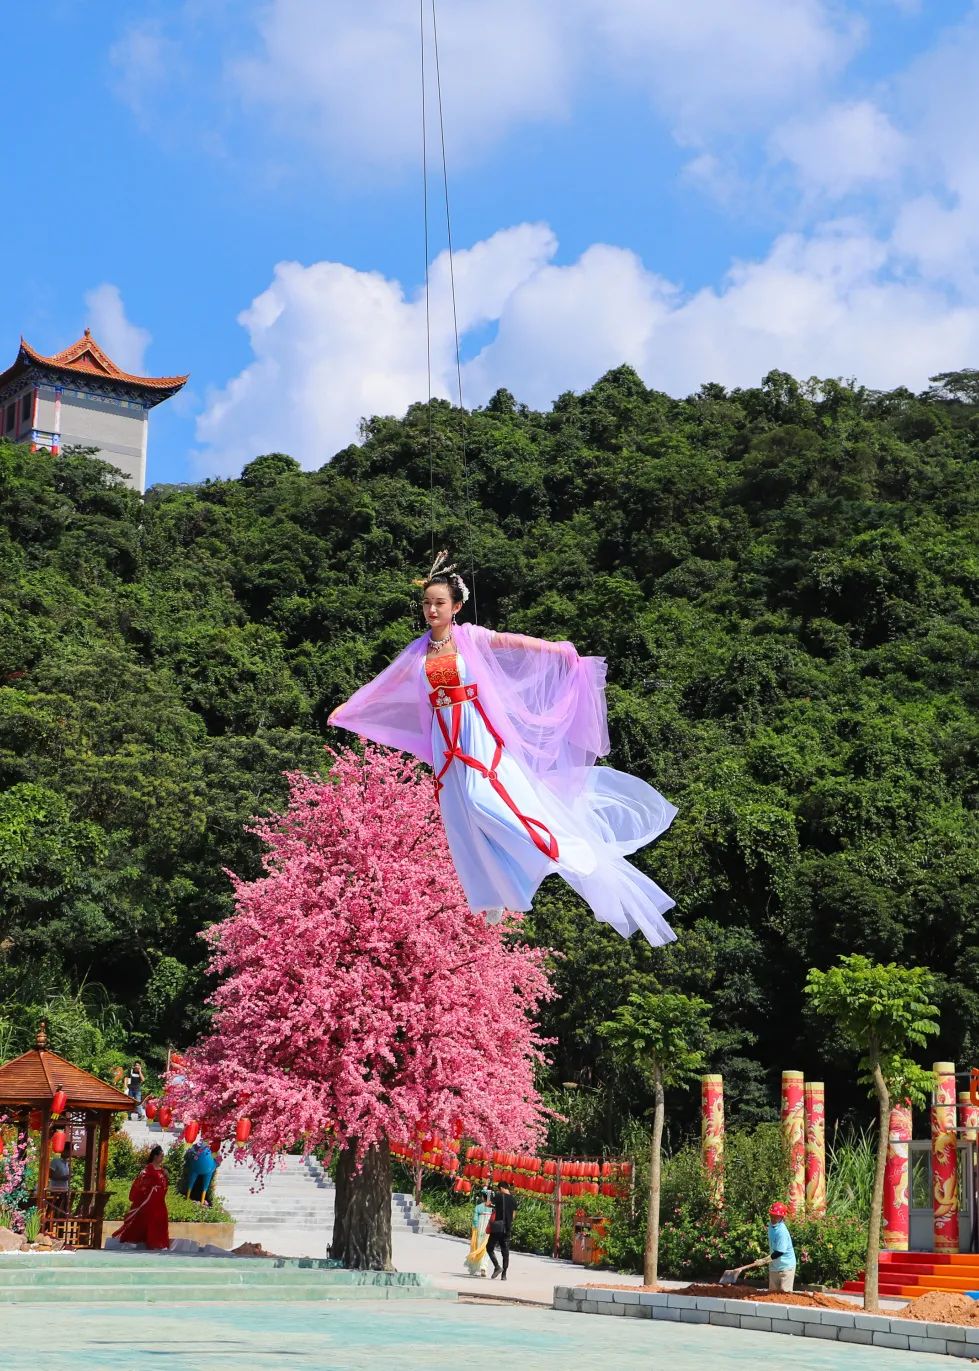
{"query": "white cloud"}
{"type": "Point", "coordinates": [333, 344]}
{"type": "Point", "coordinates": [142, 61]}
{"type": "Point", "coordinates": [843, 148]}
{"type": "Point", "coordinates": [124, 341]}
{"type": "Point", "coordinates": [346, 75]}
{"type": "Point", "coordinates": [343, 77]}
{"type": "Point", "coordinates": [715, 67]}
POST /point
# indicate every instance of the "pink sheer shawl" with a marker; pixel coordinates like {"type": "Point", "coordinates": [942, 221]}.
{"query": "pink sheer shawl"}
{"type": "Point", "coordinates": [547, 703]}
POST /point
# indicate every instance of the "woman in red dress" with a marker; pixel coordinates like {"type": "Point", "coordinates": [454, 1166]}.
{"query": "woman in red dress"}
{"type": "Point", "coordinates": [147, 1221]}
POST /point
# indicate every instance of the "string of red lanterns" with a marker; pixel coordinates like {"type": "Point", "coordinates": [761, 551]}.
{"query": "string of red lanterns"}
{"type": "Point", "coordinates": [566, 1177]}
{"type": "Point", "coordinates": [548, 1177]}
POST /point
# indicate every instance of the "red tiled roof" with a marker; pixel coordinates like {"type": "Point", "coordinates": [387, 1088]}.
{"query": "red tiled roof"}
{"type": "Point", "coordinates": [34, 1078]}
{"type": "Point", "coordinates": [85, 357]}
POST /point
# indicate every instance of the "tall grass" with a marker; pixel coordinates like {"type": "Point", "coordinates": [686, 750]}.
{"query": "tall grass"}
{"type": "Point", "coordinates": [850, 1160]}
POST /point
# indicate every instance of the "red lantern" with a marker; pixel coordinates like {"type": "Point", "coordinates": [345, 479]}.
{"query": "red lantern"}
{"type": "Point", "coordinates": [58, 1103]}
{"type": "Point", "coordinates": [36, 1121]}
{"type": "Point", "coordinates": [152, 1108]}
{"type": "Point", "coordinates": [191, 1131]}
{"type": "Point", "coordinates": [243, 1131]}
{"type": "Point", "coordinates": [59, 1140]}
{"type": "Point", "coordinates": [2, 1144]}
{"type": "Point", "coordinates": [165, 1116]}
{"type": "Point", "coordinates": [550, 1168]}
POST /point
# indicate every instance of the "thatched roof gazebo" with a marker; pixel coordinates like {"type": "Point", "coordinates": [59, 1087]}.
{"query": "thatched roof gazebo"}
{"type": "Point", "coordinates": [28, 1085]}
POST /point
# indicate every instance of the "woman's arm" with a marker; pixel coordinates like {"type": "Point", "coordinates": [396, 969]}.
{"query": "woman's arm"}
{"type": "Point", "coordinates": [521, 642]}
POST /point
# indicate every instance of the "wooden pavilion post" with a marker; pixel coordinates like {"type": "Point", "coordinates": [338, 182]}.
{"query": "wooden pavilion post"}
{"type": "Point", "coordinates": [90, 1133]}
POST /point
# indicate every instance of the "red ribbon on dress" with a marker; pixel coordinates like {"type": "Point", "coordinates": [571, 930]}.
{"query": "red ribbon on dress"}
{"type": "Point", "coordinates": [457, 696]}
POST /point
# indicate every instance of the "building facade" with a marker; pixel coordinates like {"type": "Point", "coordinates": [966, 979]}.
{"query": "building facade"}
{"type": "Point", "coordinates": [80, 398]}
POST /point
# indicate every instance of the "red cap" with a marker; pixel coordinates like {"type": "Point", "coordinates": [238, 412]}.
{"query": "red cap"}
{"type": "Point", "coordinates": [778, 1210]}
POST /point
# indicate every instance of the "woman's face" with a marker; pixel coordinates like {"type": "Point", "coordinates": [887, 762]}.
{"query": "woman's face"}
{"type": "Point", "coordinates": [437, 607]}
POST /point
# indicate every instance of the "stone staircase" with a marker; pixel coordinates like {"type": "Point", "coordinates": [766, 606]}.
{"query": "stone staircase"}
{"type": "Point", "coordinates": [162, 1278]}
{"type": "Point", "coordinates": [907, 1274]}
{"type": "Point", "coordinates": [298, 1194]}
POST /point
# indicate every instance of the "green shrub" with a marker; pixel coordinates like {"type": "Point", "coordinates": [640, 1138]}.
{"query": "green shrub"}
{"type": "Point", "coordinates": [830, 1251]}
{"type": "Point", "coordinates": [698, 1243]}
{"type": "Point", "coordinates": [180, 1209]}
{"type": "Point", "coordinates": [125, 1160]}
{"type": "Point", "coordinates": [850, 1163]}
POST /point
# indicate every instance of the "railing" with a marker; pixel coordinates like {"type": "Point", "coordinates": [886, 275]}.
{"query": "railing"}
{"type": "Point", "coordinates": [81, 1227]}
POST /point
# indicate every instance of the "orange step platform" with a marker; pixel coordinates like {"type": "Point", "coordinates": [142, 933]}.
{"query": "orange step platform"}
{"type": "Point", "coordinates": [906, 1274]}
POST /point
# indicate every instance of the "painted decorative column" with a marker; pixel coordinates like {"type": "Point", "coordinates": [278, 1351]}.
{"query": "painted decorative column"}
{"type": "Point", "coordinates": [794, 1136]}
{"type": "Point", "coordinates": [815, 1111]}
{"type": "Point", "coordinates": [897, 1180]}
{"type": "Point", "coordinates": [944, 1160]}
{"type": "Point", "coordinates": [968, 1117]}
{"type": "Point", "coordinates": [712, 1134]}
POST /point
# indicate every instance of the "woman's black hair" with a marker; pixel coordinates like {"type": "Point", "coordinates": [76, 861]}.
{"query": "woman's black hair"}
{"type": "Point", "coordinates": [155, 1152]}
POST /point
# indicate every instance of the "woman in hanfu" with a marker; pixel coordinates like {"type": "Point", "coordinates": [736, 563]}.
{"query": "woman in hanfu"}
{"type": "Point", "coordinates": [513, 727]}
{"type": "Point", "coordinates": [477, 1262]}
{"type": "Point", "coordinates": [147, 1220]}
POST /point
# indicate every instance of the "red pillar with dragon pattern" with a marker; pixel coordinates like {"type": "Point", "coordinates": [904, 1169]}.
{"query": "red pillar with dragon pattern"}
{"type": "Point", "coordinates": [897, 1180]}
{"type": "Point", "coordinates": [944, 1160]}
{"type": "Point", "coordinates": [712, 1134]}
{"type": "Point", "coordinates": [815, 1109]}
{"type": "Point", "coordinates": [794, 1137]}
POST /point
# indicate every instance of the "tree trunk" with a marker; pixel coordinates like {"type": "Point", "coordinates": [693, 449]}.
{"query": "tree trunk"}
{"type": "Point", "coordinates": [871, 1289]}
{"type": "Point", "coordinates": [362, 1217]}
{"type": "Point", "coordinates": [651, 1262]}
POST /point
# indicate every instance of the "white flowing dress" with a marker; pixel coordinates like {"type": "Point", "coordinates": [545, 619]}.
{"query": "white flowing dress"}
{"type": "Point", "coordinates": [507, 830]}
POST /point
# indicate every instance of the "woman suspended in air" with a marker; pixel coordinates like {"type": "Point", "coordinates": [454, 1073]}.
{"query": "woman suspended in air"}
{"type": "Point", "coordinates": [512, 727]}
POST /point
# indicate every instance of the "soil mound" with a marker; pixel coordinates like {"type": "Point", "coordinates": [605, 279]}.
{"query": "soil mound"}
{"type": "Point", "coordinates": [735, 1292]}
{"type": "Point", "coordinates": [817, 1300]}
{"type": "Point", "coordinates": [941, 1306]}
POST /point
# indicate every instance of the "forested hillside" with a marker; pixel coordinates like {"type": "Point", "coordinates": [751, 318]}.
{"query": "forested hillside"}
{"type": "Point", "coordinates": [785, 582]}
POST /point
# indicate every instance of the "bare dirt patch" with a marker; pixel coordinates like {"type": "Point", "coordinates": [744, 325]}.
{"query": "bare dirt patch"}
{"type": "Point", "coordinates": [941, 1306]}
{"type": "Point", "coordinates": [735, 1292]}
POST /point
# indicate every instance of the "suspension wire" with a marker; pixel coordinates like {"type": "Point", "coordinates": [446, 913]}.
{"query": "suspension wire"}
{"type": "Point", "coordinates": [428, 301]}
{"type": "Point", "coordinates": [455, 316]}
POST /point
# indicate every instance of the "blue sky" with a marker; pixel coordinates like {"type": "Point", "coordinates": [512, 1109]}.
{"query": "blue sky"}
{"type": "Point", "coordinates": [704, 190]}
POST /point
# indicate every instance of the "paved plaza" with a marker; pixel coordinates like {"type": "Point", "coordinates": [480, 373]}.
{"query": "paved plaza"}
{"type": "Point", "coordinates": [420, 1337]}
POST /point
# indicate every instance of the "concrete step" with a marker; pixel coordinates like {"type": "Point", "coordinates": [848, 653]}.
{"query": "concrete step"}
{"type": "Point", "coordinates": [218, 1271]}
{"type": "Point", "coordinates": [98, 1278]}
{"type": "Point", "coordinates": [212, 1294]}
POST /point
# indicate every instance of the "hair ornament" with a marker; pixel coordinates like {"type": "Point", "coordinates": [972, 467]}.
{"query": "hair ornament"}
{"type": "Point", "coordinates": [443, 567]}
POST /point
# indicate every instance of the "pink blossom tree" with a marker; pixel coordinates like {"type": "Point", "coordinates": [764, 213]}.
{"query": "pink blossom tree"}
{"type": "Point", "coordinates": [361, 999]}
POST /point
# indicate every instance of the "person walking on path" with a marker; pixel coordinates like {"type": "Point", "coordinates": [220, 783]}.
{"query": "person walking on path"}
{"type": "Point", "coordinates": [477, 1262]}
{"type": "Point", "coordinates": [136, 1087]}
{"type": "Point", "coordinates": [147, 1220]}
{"type": "Point", "coordinates": [781, 1253]}
{"type": "Point", "coordinates": [501, 1229]}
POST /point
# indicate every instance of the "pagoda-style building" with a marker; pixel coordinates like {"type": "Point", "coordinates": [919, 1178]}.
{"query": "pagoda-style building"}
{"type": "Point", "coordinates": [80, 398]}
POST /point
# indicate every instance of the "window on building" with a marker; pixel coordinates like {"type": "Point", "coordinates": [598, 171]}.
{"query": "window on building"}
{"type": "Point", "coordinates": [25, 407]}
{"type": "Point", "coordinates": [11, 415]}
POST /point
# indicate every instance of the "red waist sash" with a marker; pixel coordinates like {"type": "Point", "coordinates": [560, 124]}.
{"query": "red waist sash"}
{"type": "Point", "coordinates": [456, 696]}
